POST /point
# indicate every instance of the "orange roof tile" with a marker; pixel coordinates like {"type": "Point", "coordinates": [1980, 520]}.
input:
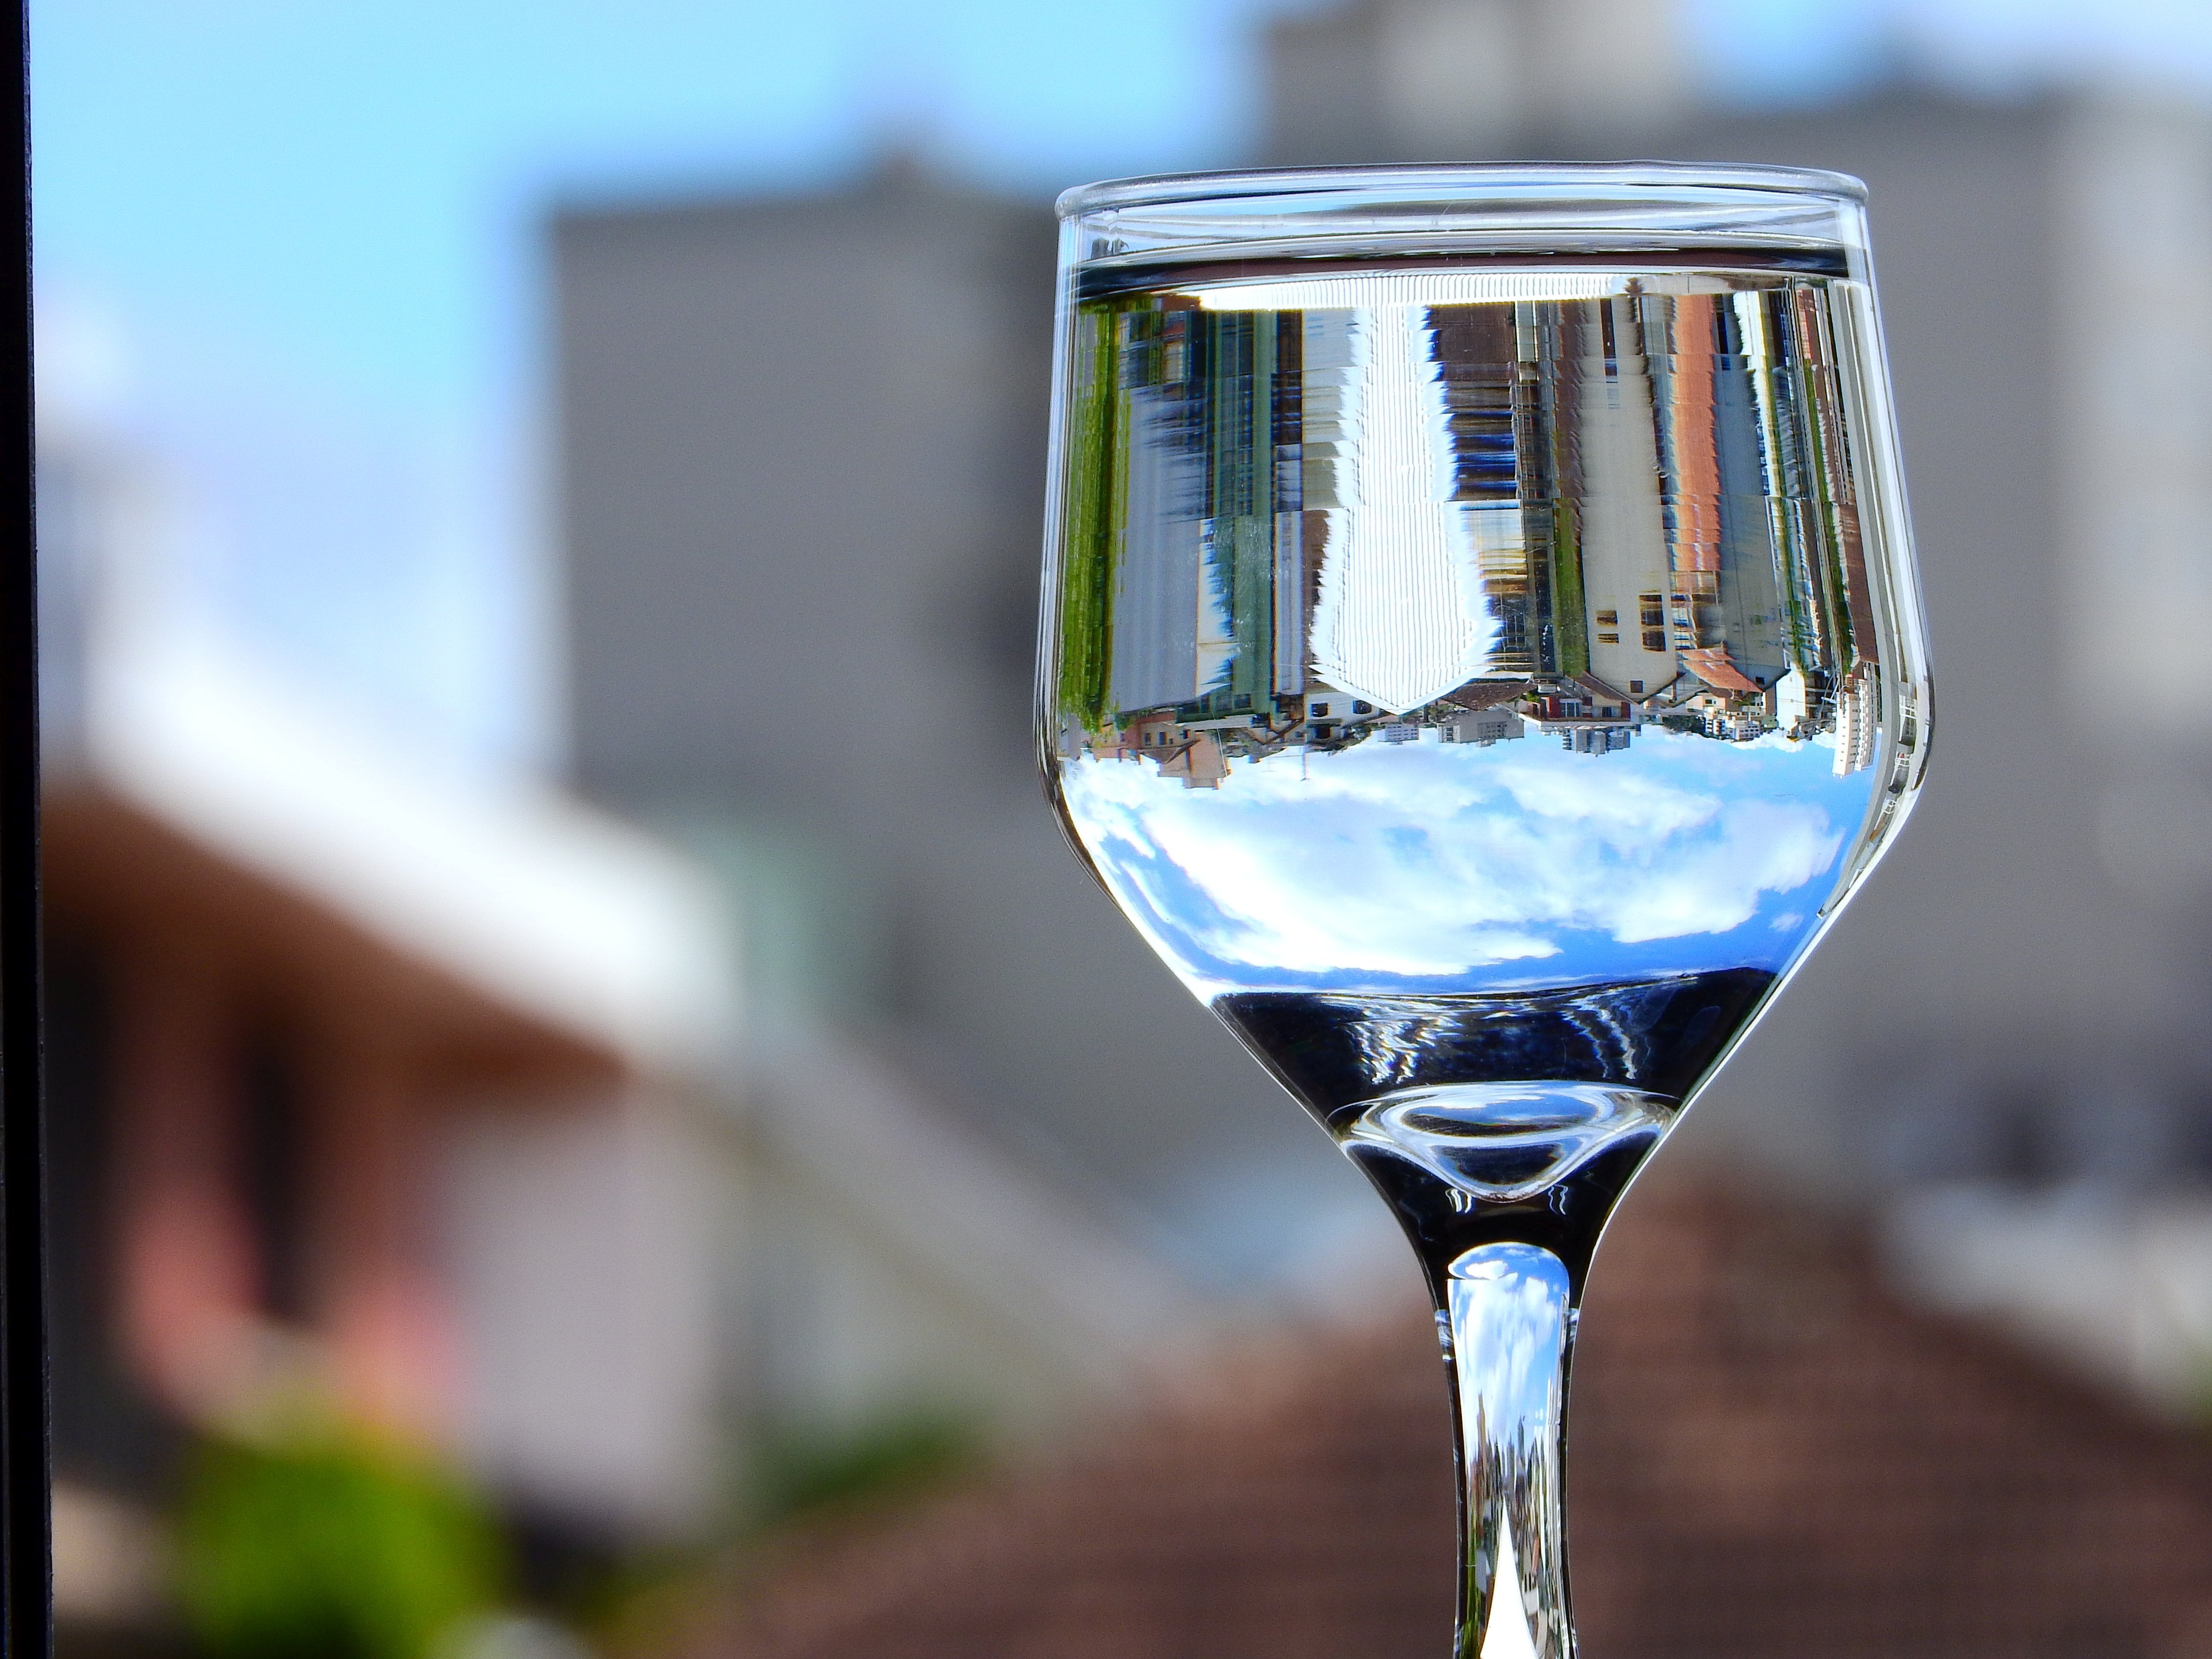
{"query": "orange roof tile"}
{"type": "Point", "coordinates": [1711, 664]}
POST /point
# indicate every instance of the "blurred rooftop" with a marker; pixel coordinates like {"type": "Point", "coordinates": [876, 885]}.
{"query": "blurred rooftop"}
{"type": "Point", "coordinates": [1772, 1455]}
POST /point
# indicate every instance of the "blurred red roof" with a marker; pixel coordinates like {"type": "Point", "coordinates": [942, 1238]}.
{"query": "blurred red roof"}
{"type": "Point", "coordinates": [1771, 1458]}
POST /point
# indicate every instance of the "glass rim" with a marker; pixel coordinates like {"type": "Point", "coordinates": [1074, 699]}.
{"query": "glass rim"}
{"type": "Point", "coordinates": [1475, 181]}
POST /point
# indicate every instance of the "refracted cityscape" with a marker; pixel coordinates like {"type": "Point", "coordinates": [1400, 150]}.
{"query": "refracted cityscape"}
{"type": "Point", "coordinates": [1454, 630]}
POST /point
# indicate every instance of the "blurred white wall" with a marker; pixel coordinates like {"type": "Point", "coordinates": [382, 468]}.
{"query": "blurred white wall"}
{"type": "Point", "coordinates": [590, 1249]}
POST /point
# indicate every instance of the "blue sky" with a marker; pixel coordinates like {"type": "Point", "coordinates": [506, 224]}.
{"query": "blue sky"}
{"type": "Point", "coordinates": [291, 248]}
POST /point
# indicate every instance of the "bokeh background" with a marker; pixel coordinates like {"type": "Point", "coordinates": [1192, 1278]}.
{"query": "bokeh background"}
{"type": "Point", "coordinates": [592, 1111]}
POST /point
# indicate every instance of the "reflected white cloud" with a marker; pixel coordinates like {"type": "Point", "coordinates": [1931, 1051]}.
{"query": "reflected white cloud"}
{"type": "Point", "coordinates": [1428, 861]}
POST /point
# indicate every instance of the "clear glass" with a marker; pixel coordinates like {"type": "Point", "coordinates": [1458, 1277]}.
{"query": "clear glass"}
{"type": "Point", "coordinates": [1480, 652]}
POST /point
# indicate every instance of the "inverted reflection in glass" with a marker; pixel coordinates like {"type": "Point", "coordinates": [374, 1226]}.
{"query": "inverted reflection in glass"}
{"type": "Point", "coordinates": [1480, 656]}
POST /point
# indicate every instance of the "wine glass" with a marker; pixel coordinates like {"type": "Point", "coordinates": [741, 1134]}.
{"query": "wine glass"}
{"type": "Point", "coordinates": [1481, 654]}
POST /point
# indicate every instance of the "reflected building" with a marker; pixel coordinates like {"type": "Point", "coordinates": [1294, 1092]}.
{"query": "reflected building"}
{"type": "Point", "coordinates": [1199, 761]}
{"type": "Point", "coordinates": [1857, 722]}
{"type": "Point", "coordinates": [1595, 740]}
{"type": "Point", "coordinates": [1651, 509]}
{"type": "Point", "coordinates": [1484, 727]}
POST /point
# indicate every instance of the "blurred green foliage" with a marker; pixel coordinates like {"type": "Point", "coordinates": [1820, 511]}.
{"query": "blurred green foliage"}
{"type": "Point", "coordinates": [330, 1543]}
{"type": "Point", "coordinates": [801, 1471]}
{"type": "Point", "coordinates": [796, 1475]}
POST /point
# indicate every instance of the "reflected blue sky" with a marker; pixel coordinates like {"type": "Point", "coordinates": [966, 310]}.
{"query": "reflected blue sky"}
{"type": "Point", "coordinates": [1435, 868]}
{"type": "Point", "coordinates": [1509, 1312]}
{"type": "Point", "coordinates": [1511, 1299]}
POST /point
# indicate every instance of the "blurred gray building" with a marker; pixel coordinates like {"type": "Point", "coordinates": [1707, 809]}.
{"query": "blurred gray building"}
{"type": "Point", "coordinates": [2022, 991]}
{"type": "Point", "coordinates": [2000, 1045]}
{"type": "Point", "coordinates": [803, 447]}
{"type": "Point", "coordinates": [803, 451]}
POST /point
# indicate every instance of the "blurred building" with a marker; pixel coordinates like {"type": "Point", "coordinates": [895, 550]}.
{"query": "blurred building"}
{"type": "Point", "coordinates": [422, 1097]}
{"type": "Point", "coordinates": [1471, 80]}
{"type": "Point", "coordinates": [294, 974]}
{"type": "Point", "coordinates": [1772, 1455]}
{"type": "Point", "coordinates": [2019, 996]}
{"type": "Point", "coordinates": [803, 447]}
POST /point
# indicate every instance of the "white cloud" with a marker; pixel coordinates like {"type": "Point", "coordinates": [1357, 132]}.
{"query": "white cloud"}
{"type": "Point", "coordinates": [1425, 860]}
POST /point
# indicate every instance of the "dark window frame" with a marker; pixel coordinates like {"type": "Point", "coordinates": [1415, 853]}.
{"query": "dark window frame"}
{"type": "Point", "coordinates": [26, 1477]}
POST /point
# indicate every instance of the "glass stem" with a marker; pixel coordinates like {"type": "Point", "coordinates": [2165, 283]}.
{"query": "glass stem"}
{"type": "Point", "coordinates": [1508, 1324]}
